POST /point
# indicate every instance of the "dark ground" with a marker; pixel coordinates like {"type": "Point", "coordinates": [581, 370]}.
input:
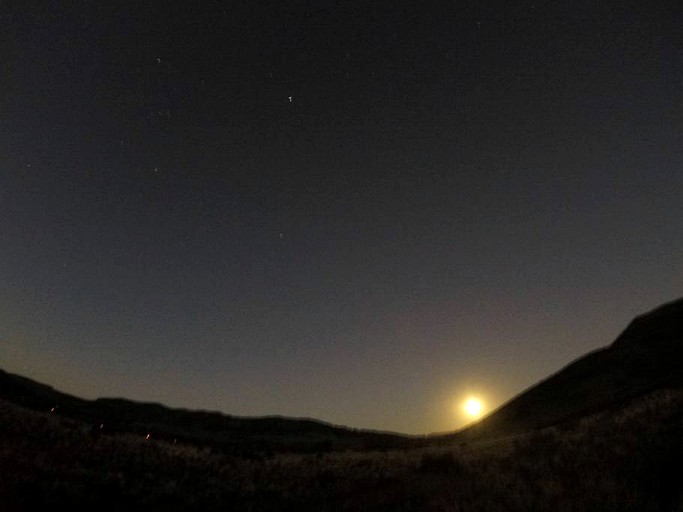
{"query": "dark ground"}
{"type": "Point", "coordinates": [627, 459]}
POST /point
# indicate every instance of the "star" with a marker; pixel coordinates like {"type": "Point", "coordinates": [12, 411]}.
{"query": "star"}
{"type": "Point", "coordinates": [290, 98]}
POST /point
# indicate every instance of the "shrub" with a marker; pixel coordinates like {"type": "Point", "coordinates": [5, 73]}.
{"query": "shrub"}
{"type": "Point", "coordinates": [444, 463]}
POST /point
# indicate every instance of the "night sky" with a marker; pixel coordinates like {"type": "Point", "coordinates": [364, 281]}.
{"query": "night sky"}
{"type": "Point", "coordinates": [356, 211]}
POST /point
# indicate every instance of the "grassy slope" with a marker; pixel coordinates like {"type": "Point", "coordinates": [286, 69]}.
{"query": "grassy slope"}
{"type": "Point", "coordinates": [621, 460]}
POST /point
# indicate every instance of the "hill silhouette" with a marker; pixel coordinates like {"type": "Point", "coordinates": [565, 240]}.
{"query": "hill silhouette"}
{"type": "Point", "coordinates": [646, 357]}
{"type": "Point", "coordinates": [221, 432]}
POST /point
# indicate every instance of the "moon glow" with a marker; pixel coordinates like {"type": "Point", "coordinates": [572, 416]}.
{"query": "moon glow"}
{"type": "Point", "coordinates": [473, 407]}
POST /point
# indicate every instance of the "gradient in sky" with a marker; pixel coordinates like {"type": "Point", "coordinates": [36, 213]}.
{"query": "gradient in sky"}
{"type": "Point", "coordinates": [361, 212]}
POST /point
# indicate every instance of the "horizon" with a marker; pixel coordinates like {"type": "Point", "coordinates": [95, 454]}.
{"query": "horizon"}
{"type": "Point", "coordinates": [465, 424]}
{"type": "Point", "coordinates": [361, 214]}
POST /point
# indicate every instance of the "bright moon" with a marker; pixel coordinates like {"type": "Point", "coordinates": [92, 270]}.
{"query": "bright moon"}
{"type": "Point", "coordinates": [473, 407]}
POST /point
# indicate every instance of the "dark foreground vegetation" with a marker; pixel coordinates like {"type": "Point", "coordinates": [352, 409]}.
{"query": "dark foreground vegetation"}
{"type": "Point", "coordinates": [628, 459]}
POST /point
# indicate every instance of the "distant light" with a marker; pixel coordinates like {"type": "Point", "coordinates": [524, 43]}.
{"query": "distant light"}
{"type": "Point", "coordinates": [53, 409]}
{"type": "Point", "coordinates": [147, 437]}
{"type": "Point", "coordinates": [473, 407]}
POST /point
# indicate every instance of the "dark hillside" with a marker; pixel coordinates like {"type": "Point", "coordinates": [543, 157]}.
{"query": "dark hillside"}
{"type": "Point", "coordinates": [225, 433]}
{"type": "Point", "coordinates": [647, 356]}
